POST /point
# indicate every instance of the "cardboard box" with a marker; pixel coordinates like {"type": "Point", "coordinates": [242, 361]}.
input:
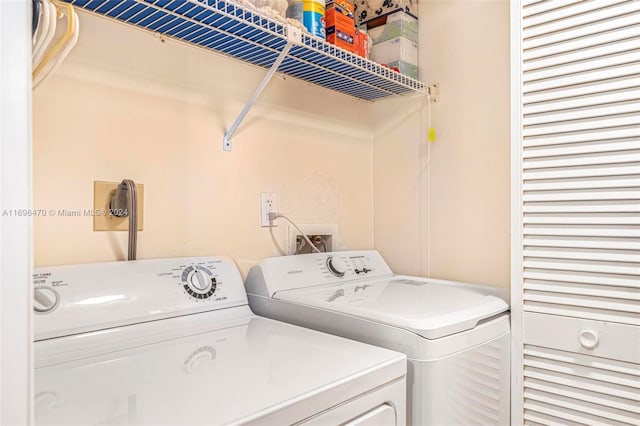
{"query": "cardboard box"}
{"type": "Point", "coordinates": [340, 24]}
{"type": "Point", "coordinates": [397, 24]}
{"type": "Point", "coordinates": [362, 43]}
{"type": "Point", "coordinates": [404, 68]}
{"type": "Point", "coordinates": [343, 40]}
{"type": "Point", "coordinates": [397, 52]}
{"type": "Point", "coordinates": [367, 10]}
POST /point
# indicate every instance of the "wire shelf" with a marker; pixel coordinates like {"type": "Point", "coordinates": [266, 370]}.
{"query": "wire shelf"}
{"type": "Point", "coordinates": [229, 28]}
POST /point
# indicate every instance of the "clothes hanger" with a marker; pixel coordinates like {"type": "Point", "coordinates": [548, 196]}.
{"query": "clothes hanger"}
{"type": "Point", "coordinates": [47, 31]}
{"type": "Point", "coordinates": [43, 28]}
{"type": "Point", "coordinates": [55, 63]}
{"type": "Point", "coordinates": [54, 56]}
{"type": "Point", "coordinates": [68, 34]}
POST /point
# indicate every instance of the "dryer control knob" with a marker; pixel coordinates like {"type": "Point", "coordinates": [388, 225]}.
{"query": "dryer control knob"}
{"type": "Point", "coordinates": [199, 281]}
{"type": "Point", "coordinates": [45, 299]}
{"type": "Point", "coordinates": [336, 266]}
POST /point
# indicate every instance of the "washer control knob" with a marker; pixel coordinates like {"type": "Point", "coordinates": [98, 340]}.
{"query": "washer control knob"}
{"type": "Point", "coordinates": [45, 299]}
{"type": "Point", "coordinates": [588, 339]}
{"type": "Point", "coordinates": [336, 266]}
{"type": "Point", "coordinates": [199, 281]}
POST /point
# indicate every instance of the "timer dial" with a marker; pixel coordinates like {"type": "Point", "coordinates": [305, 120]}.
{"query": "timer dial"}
{"type": "Point", "coordinates": [336, 266]}
{"type": "Point", "coordinates": [45, 299]}
{"type": "Point", "coordinates": [198, 282]}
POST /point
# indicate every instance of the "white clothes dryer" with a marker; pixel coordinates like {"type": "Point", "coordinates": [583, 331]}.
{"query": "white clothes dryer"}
{"type": "Point", "coordinates": [173, 342]}
{"type": "Point", "coordinates": [456, 336]}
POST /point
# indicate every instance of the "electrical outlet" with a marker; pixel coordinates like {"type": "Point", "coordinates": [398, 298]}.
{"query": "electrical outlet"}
{"type": "Point", "coordinates": [268, 204]}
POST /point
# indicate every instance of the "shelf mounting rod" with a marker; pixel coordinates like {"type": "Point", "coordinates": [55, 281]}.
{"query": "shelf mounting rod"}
{"type": "Point", "coordinates": [226, 142]}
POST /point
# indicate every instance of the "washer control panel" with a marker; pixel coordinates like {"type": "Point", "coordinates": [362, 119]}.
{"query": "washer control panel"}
{"type": "Point", "coordinates": [341, 265]}
{"type": "Point", "coordinates": [306, 270]}
{"type": "Point", "coordinates": [79, 298]}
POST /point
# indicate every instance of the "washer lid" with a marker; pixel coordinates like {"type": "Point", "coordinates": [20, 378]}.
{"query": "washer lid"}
{"type": "Point", "coordinates": [429, 308]}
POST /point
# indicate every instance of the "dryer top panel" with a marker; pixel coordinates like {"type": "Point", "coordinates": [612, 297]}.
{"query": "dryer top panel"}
{"type": "Point", "coordinates": [80, 298]}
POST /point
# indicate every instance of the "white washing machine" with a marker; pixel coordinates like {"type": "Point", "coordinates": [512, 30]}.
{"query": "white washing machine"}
{"type": "Point", "coordinates": [456, 336]}
{"type": "Point", "coordinates": [173, 342]}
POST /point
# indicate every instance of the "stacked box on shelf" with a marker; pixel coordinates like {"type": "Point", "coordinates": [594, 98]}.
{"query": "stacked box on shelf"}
{"type": "Point", "coordinates": [394, 41]}
{"type": "Point", "coordinates": [366, 10]}
{"type": "Point", "coordinates": [362, 43]}
{"type": "Point", "coordinates": [340, 24]}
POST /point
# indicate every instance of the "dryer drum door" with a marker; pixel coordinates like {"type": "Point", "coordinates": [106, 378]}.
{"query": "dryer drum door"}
{"type": "Point", "coordinates": [376, 408]}
{"type": "Point", "coordinates": [383, 415]}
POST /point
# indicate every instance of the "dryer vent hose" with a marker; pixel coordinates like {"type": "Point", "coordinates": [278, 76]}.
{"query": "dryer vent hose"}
{"type": "Point", "coordinates": [124, 202]}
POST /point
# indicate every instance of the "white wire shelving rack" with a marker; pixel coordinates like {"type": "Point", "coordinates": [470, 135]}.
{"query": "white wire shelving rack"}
{"type": "Point", "coordinates": [226, 27]}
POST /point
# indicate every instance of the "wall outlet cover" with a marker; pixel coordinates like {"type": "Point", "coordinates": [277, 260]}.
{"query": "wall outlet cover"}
{"type": "Point", "coordinates": [102, 220]}
{"type": "Point", "coordinates": [268, 204]}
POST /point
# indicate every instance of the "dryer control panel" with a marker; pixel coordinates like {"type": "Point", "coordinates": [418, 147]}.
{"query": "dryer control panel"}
{"type": "Point", "coordinates": [80, 298]}
{"type": "Point", "coordinates": [308, 270]}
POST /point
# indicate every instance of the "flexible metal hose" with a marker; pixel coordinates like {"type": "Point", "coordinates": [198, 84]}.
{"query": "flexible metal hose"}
{"type": "Point", "coordinates": [132, 207]}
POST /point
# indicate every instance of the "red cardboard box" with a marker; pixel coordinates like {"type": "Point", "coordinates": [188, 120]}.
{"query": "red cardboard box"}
{"type": "Point", "coordinates": [340, 24]}
{"type": "Point", "coordinates": [361, 44]}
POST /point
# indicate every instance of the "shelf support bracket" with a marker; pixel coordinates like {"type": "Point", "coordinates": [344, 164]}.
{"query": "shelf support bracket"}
{"type": "Point", "coordinates": [434, 93]}
{"type": "Point", "coordinates": [226, 142]}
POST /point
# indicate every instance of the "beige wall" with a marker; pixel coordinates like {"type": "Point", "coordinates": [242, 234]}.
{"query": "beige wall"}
{"type": "Point", "coordinates": [125, 105]}
{"type": "Point", "coordinates": [464, 46]}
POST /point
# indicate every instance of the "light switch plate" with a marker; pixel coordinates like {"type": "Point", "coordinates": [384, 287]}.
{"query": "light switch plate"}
{"type": "Point", "coordinates": [102, 219]}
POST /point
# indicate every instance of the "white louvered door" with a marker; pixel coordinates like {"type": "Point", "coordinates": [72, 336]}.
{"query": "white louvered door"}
{"type": "Point", "coordinates": [577, 201]}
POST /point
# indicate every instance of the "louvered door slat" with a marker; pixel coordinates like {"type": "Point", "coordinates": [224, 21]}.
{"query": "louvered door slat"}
{"type": "Point", "coordinates": [596, 134]}
{"type": "Point", "coordinates": [620, 194]}
{"type": "Point", "coordinates": [623, 169]}
{"type": "Point", "coordinates": [566, 207]}
{"type": "Point", "coordinates": [593, 102]}
{"type": "Point", "coordinates": [573, 253]}
{"type": "Point", "coordinates": [574, 300]}
{"type": "Point", "coordinates": [592, 148]}
{"type": "Point", "coordinates": [584, 93]}
{"type": "Point", "coordinates": [620, 109]}
{"type": "Point", "coordinates": [598, 123]}
{"type": "Point", "coordinates": [608, 158]}
{"type": "Point", "coordinates": [595, 183]}
{"type": "Point", "coordinates": [586, 219]}
{"type": "Point", "coordinates": [594, 279]}
{"type": "Point", "coordinates": [633, 295]}
{"type": "Point", "coordinates": [536, 7]}
{"type": "Point", "coordinates": [587, 242]}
